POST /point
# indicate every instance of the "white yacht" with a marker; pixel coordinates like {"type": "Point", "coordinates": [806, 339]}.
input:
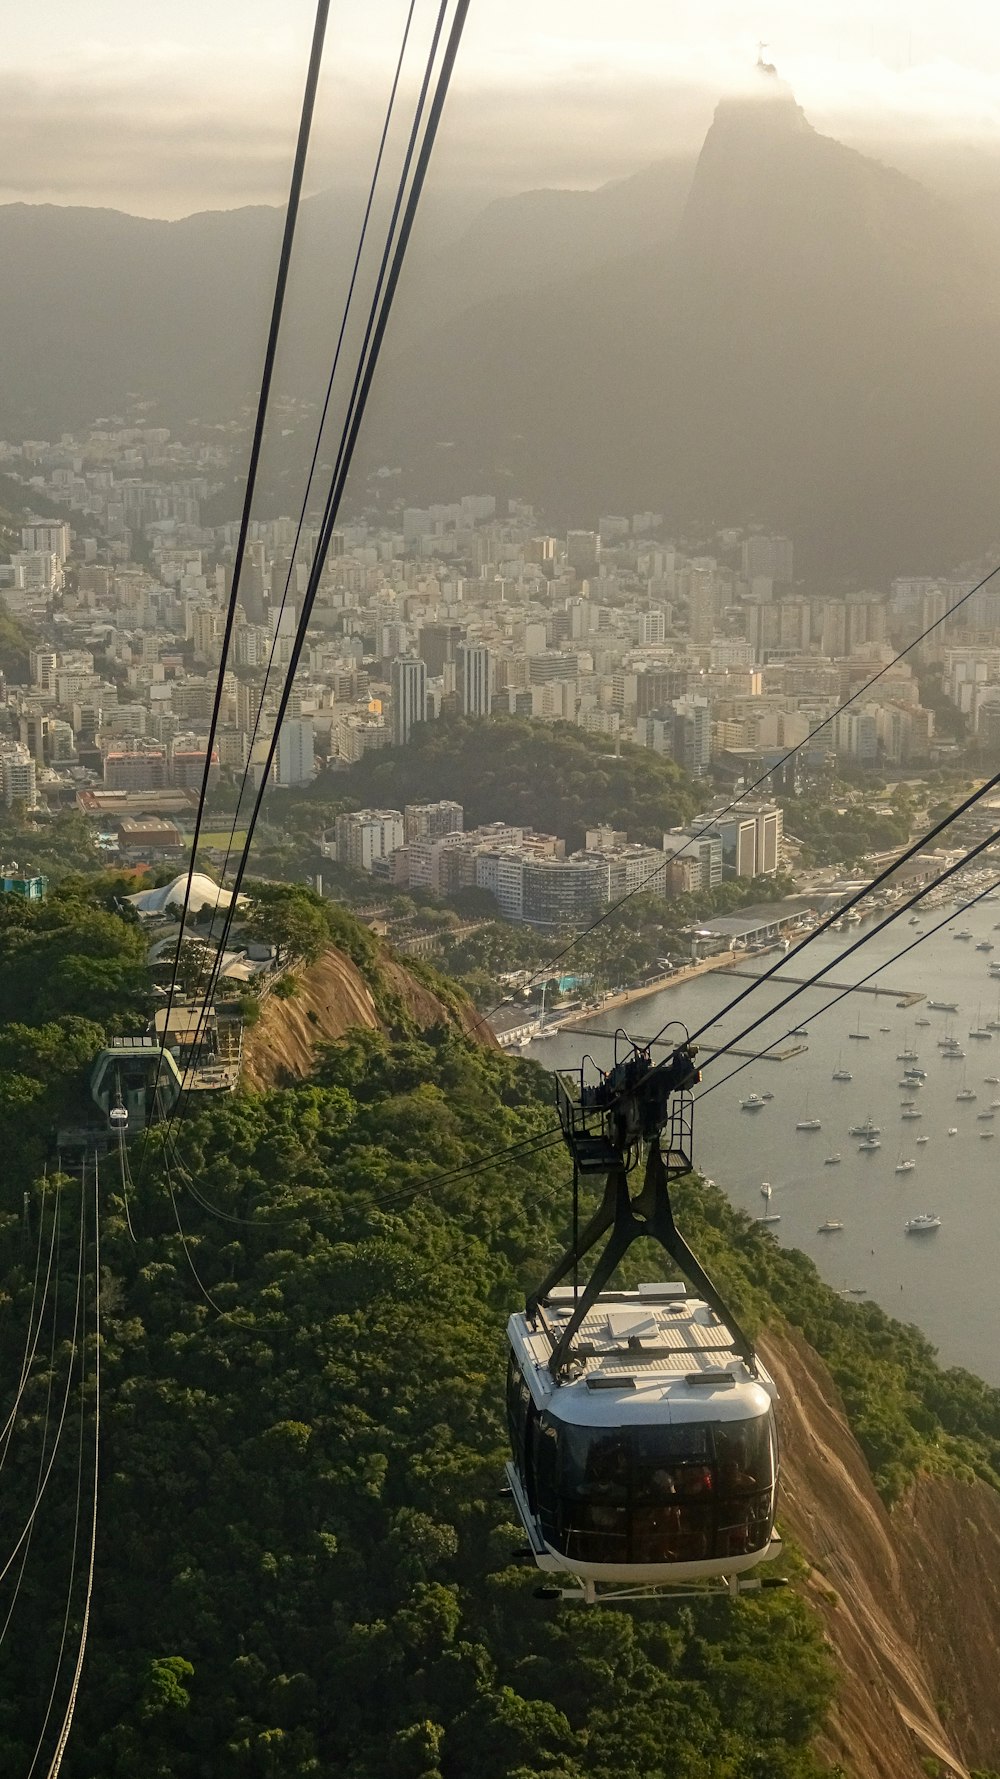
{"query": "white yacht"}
{"type": "Point", "coordinates": [905, 1166]}
{"type": "Point", "coordinates": [922, 1223]}
{"type": "Point", "coordinates": [831, 1225]}
{"type": "Point", "coordinates": [831, 1160]}
{"type": "Point", "coordinates": [868, 1129]}
{"type": "Point", "coordinates": [752, 1103]}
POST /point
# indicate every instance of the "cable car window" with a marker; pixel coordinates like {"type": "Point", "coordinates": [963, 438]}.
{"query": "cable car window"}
{"type": "Point", "coordinates": [543, 1453]}
{"type": "Point", "coordinates": [744, 1455]}
{"type": "Point", "coordinates": [595, 1463]}
{"type": "Point", "coordinates": [671, 1463]}
{"type": "Point", "coordinates": [653, 1495]}
{"type": "Point", "coordinates": [518, 1407]}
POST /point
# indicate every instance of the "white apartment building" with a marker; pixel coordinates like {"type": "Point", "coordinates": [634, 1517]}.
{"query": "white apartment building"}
{"type": "Point", "coordinates": [20, 777]}
{"type": "Point", "coordinates": [366, 835]}
{"type": "Point", "coordinates": [296, 752]}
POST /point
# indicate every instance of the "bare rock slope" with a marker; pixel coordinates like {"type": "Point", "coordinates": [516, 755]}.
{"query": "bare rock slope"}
{"type": "Point", "coordinates": [910, 1601]}
{"type": "Point", "coordinates": [331, 997]}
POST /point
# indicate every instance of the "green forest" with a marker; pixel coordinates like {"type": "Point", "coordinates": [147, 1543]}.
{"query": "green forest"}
{"type": "Point", "coordinates": [303, 1565]}
{"type": "Point", "coordinates": [548, 776]}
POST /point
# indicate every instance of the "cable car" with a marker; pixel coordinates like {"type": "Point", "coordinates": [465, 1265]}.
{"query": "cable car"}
{"type": "Point", "coordinates": [118, 1116]}
{"type": "Point", "coordinates": [644, 1448]}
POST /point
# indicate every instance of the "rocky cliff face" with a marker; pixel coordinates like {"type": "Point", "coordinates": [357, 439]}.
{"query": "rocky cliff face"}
{"type": "Point", "coordinates": [910, 1601]}
{"type": "Point", "coordinates": [332, 996]}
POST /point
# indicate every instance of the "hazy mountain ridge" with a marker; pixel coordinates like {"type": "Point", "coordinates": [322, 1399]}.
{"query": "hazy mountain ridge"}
{"type": "Point", "coordinates": [806, 337]}
{"type": "Point", "coordinates": [818, 350]}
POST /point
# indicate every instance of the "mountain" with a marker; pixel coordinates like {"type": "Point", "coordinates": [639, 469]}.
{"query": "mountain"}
{"type": "Point", "coordinates": [790, 333]}
{"type": "Point", "coordinates": [817, 349]}
{"type": "Point", "coordinates": [96, 304]}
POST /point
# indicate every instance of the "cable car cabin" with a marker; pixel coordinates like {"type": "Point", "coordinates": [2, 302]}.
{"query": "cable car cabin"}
{"type": "Point", "coordinates": [655, 1461]}
{"type": "Point", "coordinates": [118, 1116]}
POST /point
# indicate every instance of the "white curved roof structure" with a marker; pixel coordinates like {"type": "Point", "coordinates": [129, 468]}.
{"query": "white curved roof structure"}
{"type": "Point", "coordinates": [203, 891]}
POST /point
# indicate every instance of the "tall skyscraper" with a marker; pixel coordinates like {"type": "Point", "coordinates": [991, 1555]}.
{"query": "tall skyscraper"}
{"type": "Point", "coordinates": [474, 679]}
{"type": "Point", "coordinates": [296, 763]}
{"type": "Point", "coordinates": [409, 697]}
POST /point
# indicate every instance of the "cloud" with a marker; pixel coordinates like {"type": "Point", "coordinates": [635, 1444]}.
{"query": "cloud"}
{"type": "Point", "coordinates": [163, 135]}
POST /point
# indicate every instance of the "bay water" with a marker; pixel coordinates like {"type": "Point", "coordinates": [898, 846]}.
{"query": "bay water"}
{"type": "Point", "coordinates": [947, 1282]}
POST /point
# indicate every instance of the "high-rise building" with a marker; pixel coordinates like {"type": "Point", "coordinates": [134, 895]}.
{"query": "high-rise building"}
{"type": "Point", "coordinates": [751, 838]}
{"type": "Point", "coordinates": [409, 697]}
{"type": "Point", "coordinates": [770, 556]}
{"type": "Point", "coordinates": [50, 535]}
{"type": "Point", "coordinates": [438, 643]}
{"type": "Point", "coordinates": [474, 679]}
{"type": "Point", "coordinates": [296, 754]}
{"type": "Point", "coordinates": [581, 551]}
{"type": "Point", "coordinates": [135, 769]}
{"type": "Point", "coordinates": [20, 778]}
{"type": "Point", "coordinates": [429, 821]}
{"type": "Point", "coordinates": [704, 845]}
{"type": "Point", "coordinates": [366, 835]}
{"type": "Point", "coordinates": [692, 737]}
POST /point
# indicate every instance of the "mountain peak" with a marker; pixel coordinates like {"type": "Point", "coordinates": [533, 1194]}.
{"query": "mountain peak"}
{"type": "Point", "coordinates": [766, 108]}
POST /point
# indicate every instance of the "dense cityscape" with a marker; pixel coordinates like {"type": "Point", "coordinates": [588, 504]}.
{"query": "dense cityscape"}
{"type": "Point", "coordinates": [717, 660]}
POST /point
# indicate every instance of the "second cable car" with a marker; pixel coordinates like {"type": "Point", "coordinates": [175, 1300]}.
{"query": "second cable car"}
{"type": "Point", "coordinates": [644, 1450]}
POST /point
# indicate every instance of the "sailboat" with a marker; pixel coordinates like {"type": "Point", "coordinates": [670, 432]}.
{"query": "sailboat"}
{"type": "Point", "coordinates": [840, 1073]}
{"type": "Point", "coordinates": [767, 1215]}
{"type": "Point", "coordinates": [807, 1123]}
{"type": "Point", "coordinates": [861, 1036]}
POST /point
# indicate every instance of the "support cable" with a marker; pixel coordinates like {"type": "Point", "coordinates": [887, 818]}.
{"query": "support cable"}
{"type": "Point", "coordinates": [270, 354]}
{"type": "Point", "coordinates": [128, 1185]}
{"type": "Point", "coordinates": [864, 939]}
{"type": "Point", "coordinates": [747, 791]}
{"type": "Point", "coordinates": [79, 1340]}
{"type": "Point", "coordinates": [368, 360]}
{"type": "Point", "coordinates": [352, 284]}
{"type": "Point", "coordinates": [43, 1485]}
{"type": "Point", "coordinates": [34, 1330]}
{"type": "Point", "coordinates": [844, 992]}
{"type": "Point", "coordinates": [67, 1723]}
{"type": "Point", "coordinates": [203, 1288]}
{"type": "Point", "coordinates": [861, 895]}
{"type": "Point", "coordinates": [45, 1438]}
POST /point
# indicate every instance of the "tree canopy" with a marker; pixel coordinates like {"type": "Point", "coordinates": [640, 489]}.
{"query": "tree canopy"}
{"type": "Point", "coordinates": [550, 776]}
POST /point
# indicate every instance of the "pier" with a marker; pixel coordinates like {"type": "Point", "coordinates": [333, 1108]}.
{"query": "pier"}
{"type": "Point", "coordinates": [723, 1048]}
{"type": "Point", "coordinates": [908, 997]}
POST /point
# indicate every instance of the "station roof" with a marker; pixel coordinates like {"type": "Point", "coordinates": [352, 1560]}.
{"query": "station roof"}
{"type": "Point", "coordinates": [204, 893]}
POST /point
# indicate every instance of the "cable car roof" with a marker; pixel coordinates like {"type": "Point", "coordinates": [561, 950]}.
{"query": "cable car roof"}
{"type": "Point", "coordinates": [658, 1350]}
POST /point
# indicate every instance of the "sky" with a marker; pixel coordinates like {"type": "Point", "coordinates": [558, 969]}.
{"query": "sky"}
{"type": "Point", "coordinates": [166, 109]}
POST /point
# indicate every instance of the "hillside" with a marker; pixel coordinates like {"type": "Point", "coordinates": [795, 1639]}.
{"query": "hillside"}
{"type": "Point", "coordinates": [332, 997]}
{"type": "Point", "coordinates": [302, 1565]}
{"type": "Point", "coordinates": [548, 776]}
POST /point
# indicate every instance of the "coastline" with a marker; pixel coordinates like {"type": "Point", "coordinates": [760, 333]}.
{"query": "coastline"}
{"type": "Point", "coordinates": [576, 1021]}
